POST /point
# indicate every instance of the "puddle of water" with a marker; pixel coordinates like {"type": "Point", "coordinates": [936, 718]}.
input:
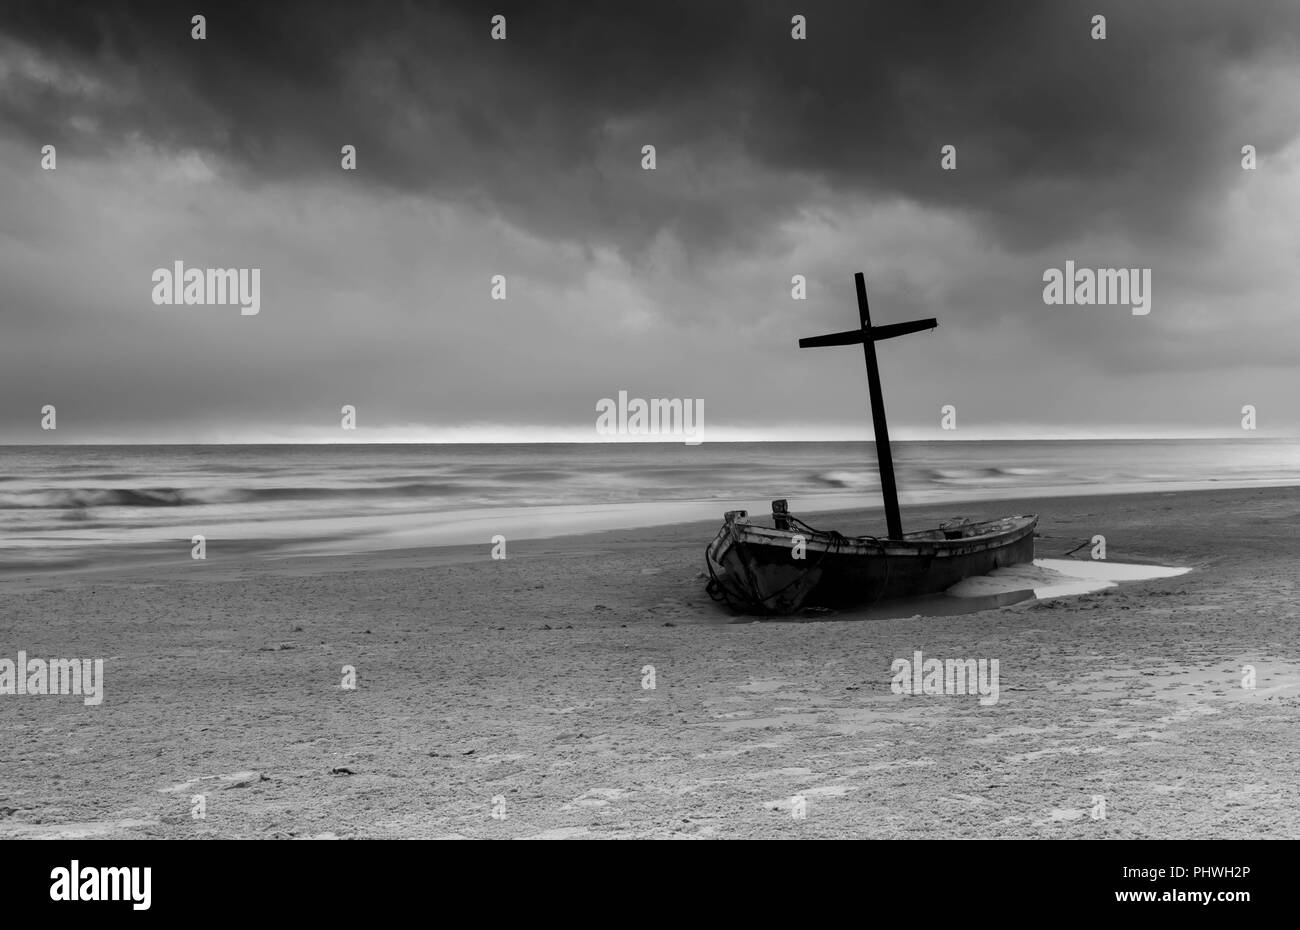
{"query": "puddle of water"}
{"type": "Point", "coordinates": [1045, 578]}
{"type": "Point", "coordinates": [1041, 579]}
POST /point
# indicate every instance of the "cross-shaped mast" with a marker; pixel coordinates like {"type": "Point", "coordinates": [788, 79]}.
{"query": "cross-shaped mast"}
{"type": "Point", "coordinates": [869, 335]}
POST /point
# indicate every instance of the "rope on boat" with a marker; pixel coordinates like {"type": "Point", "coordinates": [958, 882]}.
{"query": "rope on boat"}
{"type": "Point", "coordinates": [753, 598]}
{"type": "Point", "coordinates": [1086, 542]}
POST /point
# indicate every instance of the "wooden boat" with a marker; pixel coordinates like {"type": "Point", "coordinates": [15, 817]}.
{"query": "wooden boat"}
{"type": "Point", "coordinates": [779, 565]}
{"type": "Point", "coordinates": [782, 564]}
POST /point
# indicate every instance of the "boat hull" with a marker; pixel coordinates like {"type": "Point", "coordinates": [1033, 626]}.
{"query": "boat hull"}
{"type": "Point", "coordinates": [786, 566]}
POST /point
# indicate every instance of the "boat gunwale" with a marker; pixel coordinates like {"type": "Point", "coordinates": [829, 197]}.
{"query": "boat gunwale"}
{"type": "Point", "coordinates": [746, 533]}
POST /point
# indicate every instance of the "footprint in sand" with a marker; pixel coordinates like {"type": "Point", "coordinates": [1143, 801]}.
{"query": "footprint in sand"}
{"type": "Point", "coordinates": [1065, 813]}
{"type": "Point", "coordinates": [820, 791]}
{"type": "Point", "coordinates": [230, 780]}
{"type": "Point", "coordinates": [596, 797]}
{"type": "Point", "coordinates": [73, 831]}
{"type": "Point", "coordinates": [559, 833]}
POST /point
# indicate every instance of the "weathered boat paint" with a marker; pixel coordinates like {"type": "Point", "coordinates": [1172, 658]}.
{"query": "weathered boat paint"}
{"type": "Point", "coordinates": [756, 566]}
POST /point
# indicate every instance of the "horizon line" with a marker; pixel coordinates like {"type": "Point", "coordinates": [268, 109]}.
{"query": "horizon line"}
{"type": "Point", "coordinates": [1204, 437]}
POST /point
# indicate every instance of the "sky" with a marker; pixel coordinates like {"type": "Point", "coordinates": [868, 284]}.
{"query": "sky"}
{"type": "Point", "coordinates": [523, 157]}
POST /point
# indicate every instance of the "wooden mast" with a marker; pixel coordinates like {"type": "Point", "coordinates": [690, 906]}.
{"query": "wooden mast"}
{"type": "Point", "coordinates": [869, 335]}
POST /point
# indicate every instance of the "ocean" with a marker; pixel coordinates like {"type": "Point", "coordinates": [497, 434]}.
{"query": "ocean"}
{"type": "Point", "coordinates": [68, 505]}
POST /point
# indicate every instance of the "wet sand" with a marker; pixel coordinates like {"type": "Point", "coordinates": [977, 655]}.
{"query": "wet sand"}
{"type": "Point", "coordinates": [516, 686]}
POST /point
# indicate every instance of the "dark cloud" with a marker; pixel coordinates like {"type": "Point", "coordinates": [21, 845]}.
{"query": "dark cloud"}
{"type": "Point", "coordinates": [775, 156]}
{"type": "Point", "coordinates": [1139, 131]}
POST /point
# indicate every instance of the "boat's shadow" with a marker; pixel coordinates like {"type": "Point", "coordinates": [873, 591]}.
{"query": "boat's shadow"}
{"type": "Point", "coordinates": [930, 605]}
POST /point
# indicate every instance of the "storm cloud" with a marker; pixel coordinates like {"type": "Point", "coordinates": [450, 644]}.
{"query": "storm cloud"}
{"type": "Point", "coordinates": [522, 157]}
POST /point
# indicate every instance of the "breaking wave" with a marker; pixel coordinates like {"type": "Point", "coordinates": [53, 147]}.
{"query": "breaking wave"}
{"type": "Point", "coordinates": [86, 498]}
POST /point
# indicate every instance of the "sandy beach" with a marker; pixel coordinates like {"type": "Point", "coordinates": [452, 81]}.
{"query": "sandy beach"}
{"type": "Point", "coordinates": [516, 687]}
